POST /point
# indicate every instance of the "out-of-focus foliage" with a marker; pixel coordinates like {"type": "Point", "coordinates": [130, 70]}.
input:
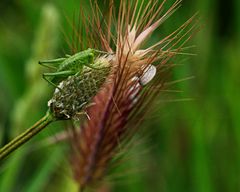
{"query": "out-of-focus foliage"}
{"type": "Point", "coordinates": [192, 145]}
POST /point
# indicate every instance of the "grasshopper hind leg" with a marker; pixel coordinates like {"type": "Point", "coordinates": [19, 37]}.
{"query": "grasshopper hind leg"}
{"type": "Point", "coordinates": [51, 62]}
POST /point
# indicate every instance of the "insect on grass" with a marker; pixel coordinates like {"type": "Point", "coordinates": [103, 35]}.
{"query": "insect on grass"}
{"type": "Point", "coordinates": [68, 66]}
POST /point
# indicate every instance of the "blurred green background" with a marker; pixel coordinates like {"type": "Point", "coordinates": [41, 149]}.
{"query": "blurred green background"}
{"type": "Point", "coordinates": [193, 146]}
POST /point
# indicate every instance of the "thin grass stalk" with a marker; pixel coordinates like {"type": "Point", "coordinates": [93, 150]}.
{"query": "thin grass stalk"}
{"type": "Point", "coordinates": [26, 136]}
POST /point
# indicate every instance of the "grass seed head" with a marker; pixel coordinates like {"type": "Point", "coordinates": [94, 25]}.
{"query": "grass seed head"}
{"type": "Point", "coordinates": [138, 75]}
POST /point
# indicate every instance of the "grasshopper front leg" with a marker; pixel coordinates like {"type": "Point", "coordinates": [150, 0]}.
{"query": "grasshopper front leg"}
{"type": "Point", "coordinates": [61, 75]}
{"type": "Point", "coordinates": [92, 67]}
{"type": "Point", "coordinates": [67, 55]}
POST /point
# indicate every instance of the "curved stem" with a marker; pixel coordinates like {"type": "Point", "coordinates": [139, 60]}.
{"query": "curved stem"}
{"type": "Point", "coordinates": [27, 135]}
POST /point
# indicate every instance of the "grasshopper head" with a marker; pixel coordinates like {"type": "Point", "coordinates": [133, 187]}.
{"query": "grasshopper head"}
{"type": "Point", "coordinates": [90, 55]}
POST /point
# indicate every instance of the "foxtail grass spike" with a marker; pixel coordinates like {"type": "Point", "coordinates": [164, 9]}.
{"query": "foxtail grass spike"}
{"type": "Point", "coordinates": [138, 76]}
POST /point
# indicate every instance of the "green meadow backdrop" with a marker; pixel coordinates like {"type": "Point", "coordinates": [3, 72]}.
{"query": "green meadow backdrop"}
{"type": "Point", "coordinates": [191, 143]}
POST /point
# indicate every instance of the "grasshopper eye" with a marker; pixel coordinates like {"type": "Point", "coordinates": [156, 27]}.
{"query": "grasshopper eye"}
{"type": "Point", "coordinates": [148, 75]}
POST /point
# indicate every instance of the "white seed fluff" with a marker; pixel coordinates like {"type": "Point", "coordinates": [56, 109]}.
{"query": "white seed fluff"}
{"type": "Point", "coordinates": [148, 75]}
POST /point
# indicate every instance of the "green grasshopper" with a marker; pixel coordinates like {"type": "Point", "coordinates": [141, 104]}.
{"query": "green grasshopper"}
{"type": "Point", "coordinates": [68, 66]}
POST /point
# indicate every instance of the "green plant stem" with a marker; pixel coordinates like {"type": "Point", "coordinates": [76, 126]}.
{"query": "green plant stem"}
{"type": "Point", "coordinates": [27, 135]}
